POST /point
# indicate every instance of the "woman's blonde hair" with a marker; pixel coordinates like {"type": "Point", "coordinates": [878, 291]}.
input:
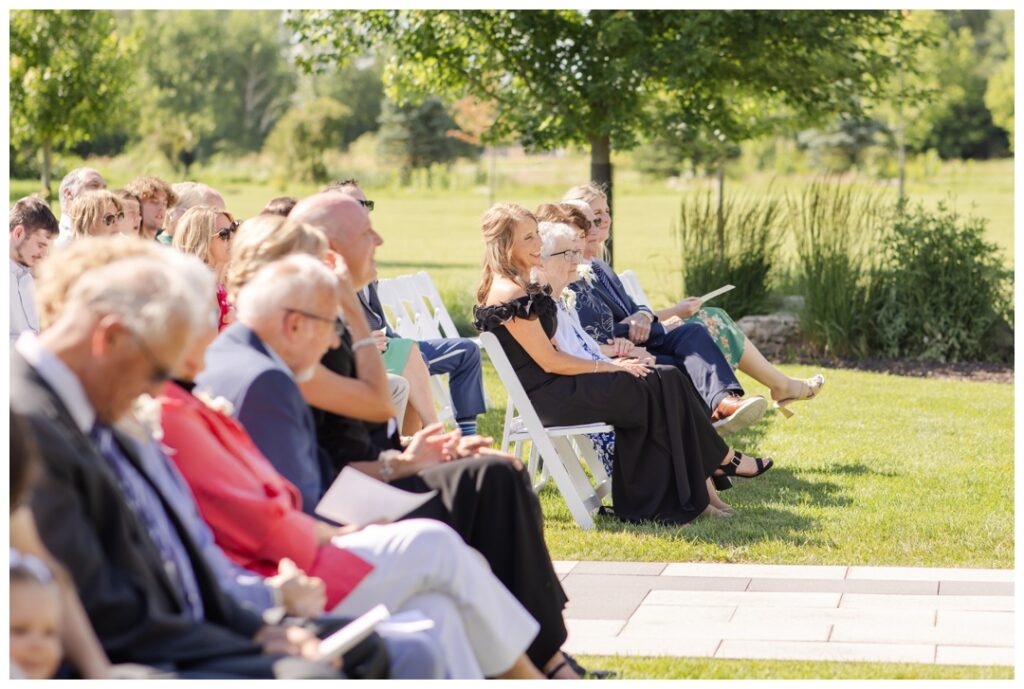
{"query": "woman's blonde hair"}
{"type": "Point", "coordinates": [87, 209]}
{"type": "Point", "coordinates": [588, 193]}
{"type": "Point", "coordinates": [265, 238]}
{"type": "Point", "coordinates": [498, 225]}
{"type": "Point", "coordinates": [196, 231]}
{"type": "Point", "coordinates": [585, 192]}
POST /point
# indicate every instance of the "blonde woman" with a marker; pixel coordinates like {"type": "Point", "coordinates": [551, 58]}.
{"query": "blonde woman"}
{"type": "Point", "coordinates": [206, 232]}
{"type": "Point", "coordinates": [665, 446]}
{"type": "Point", "coordinates": [96, 213]}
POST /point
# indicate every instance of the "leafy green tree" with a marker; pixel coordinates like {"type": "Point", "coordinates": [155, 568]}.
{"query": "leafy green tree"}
{"type": "Point", "coordinates": [999, 92]}
{"type": "Point", "coordinates": [419, 136]}
{"type": "Point", "coordinates": [604, 78]}
{"type": "Point", "coordinates": [69, 71]}
{"type": "Point", "coordinates": [211, 80]}
{"type": "Point", "coordinates": [361, 89]}
{"type": "Point", "coordinates": [954, 68]}
{"type": "Point", "coordinates": [299, 139]}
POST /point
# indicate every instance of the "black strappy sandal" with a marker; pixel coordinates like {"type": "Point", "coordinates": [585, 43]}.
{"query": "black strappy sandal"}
{"type": "Point", "coordinates": [585, 673]}
{"type": "Point", "coordinates": [730, 467]}
{"type": "Point", "coordinates": [554, 671]}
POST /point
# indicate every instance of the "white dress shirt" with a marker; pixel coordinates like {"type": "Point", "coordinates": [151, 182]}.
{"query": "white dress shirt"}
{"type": "Point", "coordinates": [23, 306]}
{"type": "Point", "coordinates": [59, 377]}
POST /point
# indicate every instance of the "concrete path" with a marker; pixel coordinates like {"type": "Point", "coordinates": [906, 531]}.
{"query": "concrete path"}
{"type": "Point", "coordinates": [871, 614]}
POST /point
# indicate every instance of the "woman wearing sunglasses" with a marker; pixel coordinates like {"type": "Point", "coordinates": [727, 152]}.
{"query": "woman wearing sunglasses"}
{"type": "Point", "coordinates": [207, 232]}
{"type": "Point", "coordinates": [96, 213]}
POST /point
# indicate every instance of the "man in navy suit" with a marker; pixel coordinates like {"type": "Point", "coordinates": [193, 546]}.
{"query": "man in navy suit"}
{"type": "Point", "coordinates": [607, 311]}
{"type": "Point", "coordinates": [458, 356]}
{"type": "Point", "coordinates": [255, 364]}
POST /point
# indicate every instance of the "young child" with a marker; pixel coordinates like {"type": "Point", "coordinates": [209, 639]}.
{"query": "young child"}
{"type": "Point", "coordinates": [35, 613]}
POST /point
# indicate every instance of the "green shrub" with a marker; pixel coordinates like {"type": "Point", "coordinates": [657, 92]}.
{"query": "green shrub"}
{"type": "Point", "coordinates": [836, 225]}
{"type": "Point", "coordinates": [942, 293]}
{"type": "Point", "coordinates": [460, 302]}
{"type": "Point", "coordinates": [740, 253]}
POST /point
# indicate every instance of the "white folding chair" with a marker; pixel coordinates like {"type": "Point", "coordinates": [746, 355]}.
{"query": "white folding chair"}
{"type": "Point", "coordinates": [558, 447]}
{"type": "Point", "coordinates": [632, 284]}
{"type": "Point", "coordinates": [400, 296]}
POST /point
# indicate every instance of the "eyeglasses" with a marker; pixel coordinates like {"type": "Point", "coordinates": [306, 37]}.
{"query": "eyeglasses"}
{"type": "Point", "coordinates": [367, 204]}
{"type": "Point", "coordinates": [569, 255]}
{"type": "Point", "coordinates": [160, 372]}
{"type": "Point", "coordinates": [339, 327]}
{"type": "Point", "coordinates": [109, 220]}
{"type": "Point", "coordinates": [226, 232]}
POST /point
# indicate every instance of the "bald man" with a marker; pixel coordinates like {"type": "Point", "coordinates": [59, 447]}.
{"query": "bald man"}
{"type": "Point", "coordinates": [350, 232]}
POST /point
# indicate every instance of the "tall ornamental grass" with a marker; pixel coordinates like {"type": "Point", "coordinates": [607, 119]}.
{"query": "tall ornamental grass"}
{"type": "Point", "coordinates": [741, 251]}
{"type": "Point", "coordinates": [838, 228]}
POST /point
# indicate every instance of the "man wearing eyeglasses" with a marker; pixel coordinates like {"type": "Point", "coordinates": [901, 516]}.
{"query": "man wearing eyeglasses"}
{"type": "Point", "coordinates": [458, 357]}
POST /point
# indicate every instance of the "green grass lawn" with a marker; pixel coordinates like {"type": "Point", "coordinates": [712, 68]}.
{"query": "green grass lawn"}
{"type": "Point", "coordinates": [439, 230]}
{"type": "Point", "coordinates": [878, 470]}
{"type": "Point", "coordinates": [708, 668]}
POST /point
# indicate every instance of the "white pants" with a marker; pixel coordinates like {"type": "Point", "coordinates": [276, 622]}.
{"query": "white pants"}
{"type": "Point", "coordinates": [421, 564]}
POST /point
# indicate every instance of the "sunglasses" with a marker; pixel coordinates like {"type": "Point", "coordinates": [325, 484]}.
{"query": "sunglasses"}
{"type": "Point", "coordinates": [597, 222]}
{"type": "Point", "coordinates": [226, 232]}
{"type": "Point", "coordinates": [109, 220]}
{"type": "Point", "coordinates": [367, 204]}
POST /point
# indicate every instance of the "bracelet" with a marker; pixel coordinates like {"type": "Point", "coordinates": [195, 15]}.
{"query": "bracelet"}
{"type": "Point", "coordinates": [386, 470]}
{"type": "Point", "coordinates": [648, 316]}
{"type": "Point", "coordinates": [365, 342]}
{"type": "Point", "coordinates": [596, 362]}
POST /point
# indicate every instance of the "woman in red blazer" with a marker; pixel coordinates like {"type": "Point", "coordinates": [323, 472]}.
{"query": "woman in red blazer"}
{"type": "Point", "coordinates": [255, 512]}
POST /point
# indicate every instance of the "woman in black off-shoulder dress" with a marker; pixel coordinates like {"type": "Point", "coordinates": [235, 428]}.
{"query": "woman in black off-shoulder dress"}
{"type": "Point", "coordinates": [665, 447]}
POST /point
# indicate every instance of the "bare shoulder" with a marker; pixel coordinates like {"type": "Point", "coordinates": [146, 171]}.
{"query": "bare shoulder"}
{"type": "Point", "coordinates": [503, 290]}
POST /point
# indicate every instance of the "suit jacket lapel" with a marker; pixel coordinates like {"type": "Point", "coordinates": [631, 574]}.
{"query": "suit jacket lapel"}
{"type": "Point", "coordinates": [61, 417]}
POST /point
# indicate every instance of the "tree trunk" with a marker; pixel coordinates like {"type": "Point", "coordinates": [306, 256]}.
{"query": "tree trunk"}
{"type": "Point", "coordinates": [721, 208]}
{"type": "Point", "coordinates": [46, 170]}
{"type": "Point", "coordinates": [492, 180]}
{"type": "Point", "coordinates": [601, 174]}
{"type": "Point", "coordinates": [901, 156]}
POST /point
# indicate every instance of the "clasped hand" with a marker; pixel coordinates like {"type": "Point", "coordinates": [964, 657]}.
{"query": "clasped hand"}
{"type": "Point", "coordinates": [430, 446]}
{"type": "Point", "coordinates": [639, 327]}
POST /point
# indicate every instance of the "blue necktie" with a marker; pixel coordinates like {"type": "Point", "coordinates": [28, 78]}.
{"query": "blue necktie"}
{"type": "Point", "coordinates": [145, 503]}
{"type": "Point", "coordinates": [607, 284]}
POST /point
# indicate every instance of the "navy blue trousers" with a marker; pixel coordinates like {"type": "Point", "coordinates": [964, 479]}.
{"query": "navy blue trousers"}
{"type": "Point", "coordinates": [460, 359]}
{"type": "Point", "coordinates": [691, 349]}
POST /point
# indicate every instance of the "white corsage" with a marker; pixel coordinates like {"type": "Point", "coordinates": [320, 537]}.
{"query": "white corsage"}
{"type": "Point", "coordinates": [218, 404]}
{"type": "Point", "coordinates": [586, 273]}
{"type": "Point", "coordinates": [146, 410]}
{"type": "Point", "coordinates": [569, 298]}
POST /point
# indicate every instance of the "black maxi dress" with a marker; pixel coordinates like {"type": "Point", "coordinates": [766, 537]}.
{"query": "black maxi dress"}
{"type": "Point", "coordinates": [485, 499]}
{"type": "Point", "coordinates": [665, 446]}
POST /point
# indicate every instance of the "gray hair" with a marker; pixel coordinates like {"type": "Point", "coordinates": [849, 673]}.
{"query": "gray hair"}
{"type": "Point", "coordinates": [551, 232]}
{"type": "Point", "coordinates": [201, 282]}
{"type": "Point", "coordinates": [72, 184]}
{"type": "Point", "coordinates": [189, 194]}
{"type": "Point", "coordinates": [150, 296]}
{"type": "Point", "coordinates": [292, 281]}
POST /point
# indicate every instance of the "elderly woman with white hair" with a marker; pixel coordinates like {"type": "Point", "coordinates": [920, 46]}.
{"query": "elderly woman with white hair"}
{"type": "Point", "coordinates": [561, 249]}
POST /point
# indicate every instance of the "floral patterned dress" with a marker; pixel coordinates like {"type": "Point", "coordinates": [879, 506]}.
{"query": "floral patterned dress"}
{"type": "Point", "coordinates": [724, 331]}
